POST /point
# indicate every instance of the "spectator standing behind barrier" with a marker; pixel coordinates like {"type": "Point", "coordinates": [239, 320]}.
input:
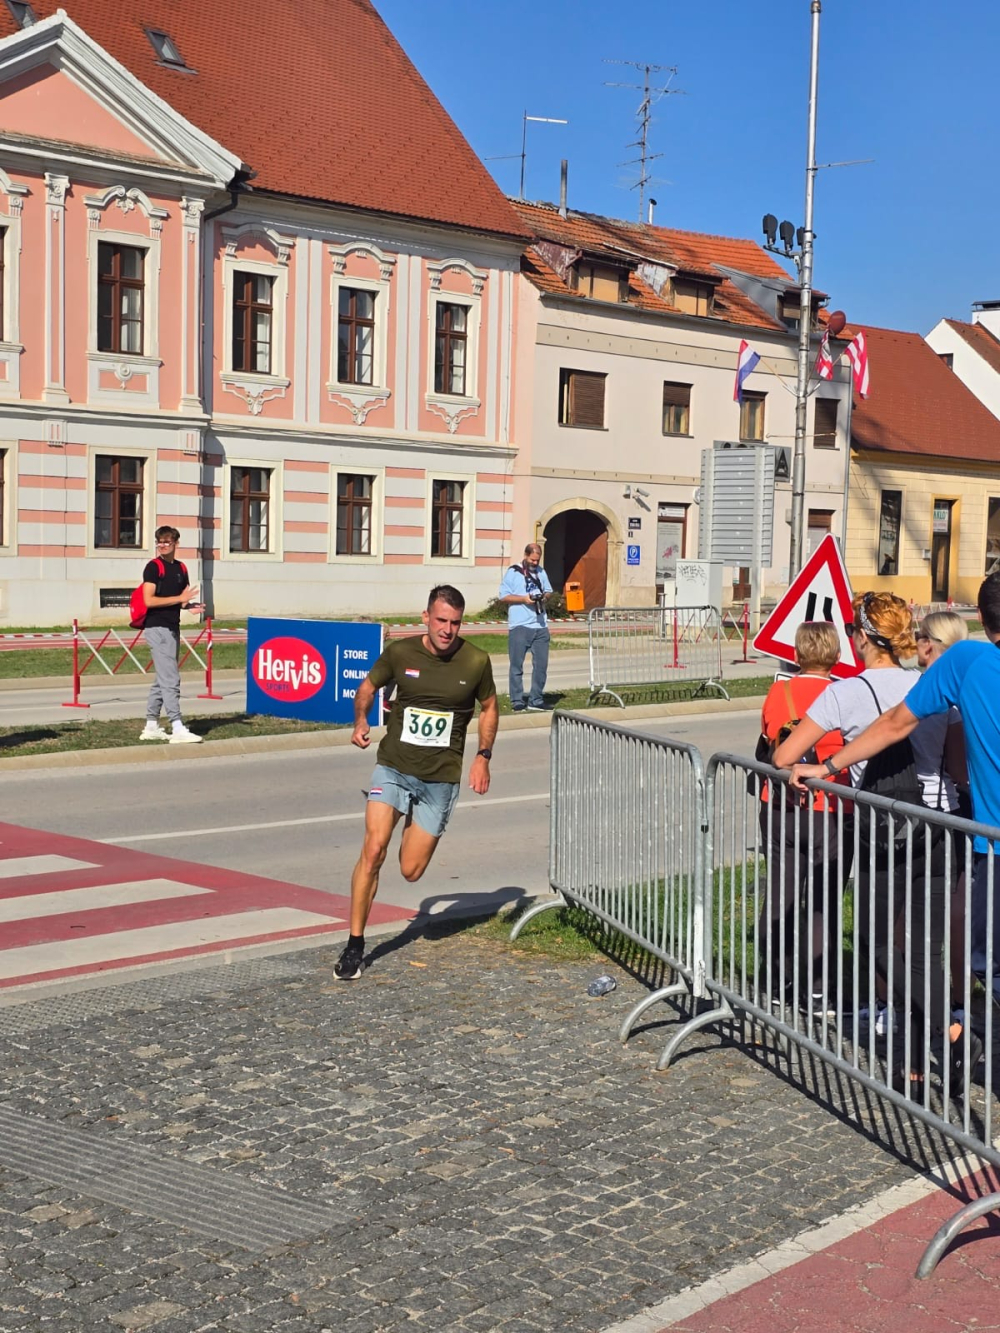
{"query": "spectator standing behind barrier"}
{"type": "Point", "coordinates": [882, 634]}
{"type": "Point", "coordinates": [523, 591]}
{"type": "Point", "coordinates": [164, 596]}
{"type": "Point", "coordinates": [797, 853]}
{"type": "Point", "coordinates": [967, 677]}
{"type": "Point", "coordinates": [936, 633]}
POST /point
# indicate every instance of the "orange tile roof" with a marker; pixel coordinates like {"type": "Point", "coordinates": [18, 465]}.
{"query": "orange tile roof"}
{"type": "Point", "coordinates": [918, 406]}
{"type": "Point", "coordinates": [980, 340]}
{"type": "Point", "coordinates": [316, 95]}
{"type": "Point", "coordinates": [692, 253]}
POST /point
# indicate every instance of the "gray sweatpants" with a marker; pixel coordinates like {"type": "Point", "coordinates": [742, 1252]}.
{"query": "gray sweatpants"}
{"type": "Point", "coordinates": [164, 645]}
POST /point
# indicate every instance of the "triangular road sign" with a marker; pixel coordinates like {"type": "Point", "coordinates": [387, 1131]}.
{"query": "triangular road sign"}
{"type": "Point", "coordinates": [820, 591]}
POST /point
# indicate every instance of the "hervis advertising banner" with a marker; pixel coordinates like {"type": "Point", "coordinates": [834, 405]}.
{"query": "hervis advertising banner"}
{"type": "Point", "coordinates": [310, 670]}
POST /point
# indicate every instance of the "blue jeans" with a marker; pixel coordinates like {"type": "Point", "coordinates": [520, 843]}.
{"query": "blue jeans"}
{"type": "Point", "coordinates": [523, 639]}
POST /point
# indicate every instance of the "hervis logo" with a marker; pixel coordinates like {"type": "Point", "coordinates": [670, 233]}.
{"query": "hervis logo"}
{"type": "Point", "coordinates": [289, 669]}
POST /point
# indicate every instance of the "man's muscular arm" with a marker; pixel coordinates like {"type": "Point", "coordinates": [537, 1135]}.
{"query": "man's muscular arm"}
{"type": "Point", "coordinates": [363, 701]}
{"type": "Point", "coordinates": [489, 721]}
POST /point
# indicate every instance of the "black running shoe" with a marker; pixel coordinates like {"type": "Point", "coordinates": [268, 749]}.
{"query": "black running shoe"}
{"type": "Point", "coordinates": [351, 963]}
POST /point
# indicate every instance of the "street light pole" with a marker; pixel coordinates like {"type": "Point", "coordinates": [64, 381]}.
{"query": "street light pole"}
{"type": "Point", "coordinates": [797, 544]}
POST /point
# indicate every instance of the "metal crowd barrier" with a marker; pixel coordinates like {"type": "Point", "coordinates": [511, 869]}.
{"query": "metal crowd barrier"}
{"type": "Point", "coordinates": [626, 813]}
{"type": "Point", "coordinates": [841, 921]}
{"type": "Point", "coordinates": [631, 646]}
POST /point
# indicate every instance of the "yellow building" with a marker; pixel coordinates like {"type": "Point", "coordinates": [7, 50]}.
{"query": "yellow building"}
{"type": "Point", "coordinates": [924, 486]}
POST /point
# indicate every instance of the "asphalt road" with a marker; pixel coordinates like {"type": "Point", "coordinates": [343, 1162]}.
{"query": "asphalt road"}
{"type": "Point", "coordinates": [298, 816]}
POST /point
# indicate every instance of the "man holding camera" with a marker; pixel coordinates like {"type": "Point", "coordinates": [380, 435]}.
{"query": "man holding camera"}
{"type": "Point", "coordinates": [524, 590]}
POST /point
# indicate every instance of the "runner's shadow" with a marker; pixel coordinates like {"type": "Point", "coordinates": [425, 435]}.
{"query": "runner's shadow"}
{"type": "Point", "coordinates": [434, 922]}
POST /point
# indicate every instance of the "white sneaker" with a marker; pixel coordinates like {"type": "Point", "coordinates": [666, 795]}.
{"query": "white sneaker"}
{"type": "Point", "coordinates": [152, 731]}
{"type": "Point", "coordinates": [182, 736]}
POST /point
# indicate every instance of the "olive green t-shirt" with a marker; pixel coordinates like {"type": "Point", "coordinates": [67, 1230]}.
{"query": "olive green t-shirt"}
{"type": "Point", "coordinates": [433, 705]}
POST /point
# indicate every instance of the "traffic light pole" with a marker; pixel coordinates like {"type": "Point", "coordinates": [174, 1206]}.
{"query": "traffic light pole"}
{"type": "Point", "coordinates": [797, 544]}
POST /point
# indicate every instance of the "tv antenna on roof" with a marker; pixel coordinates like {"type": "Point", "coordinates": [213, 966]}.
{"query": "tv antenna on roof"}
{"type": "Point", "coordinates": [644, 115]}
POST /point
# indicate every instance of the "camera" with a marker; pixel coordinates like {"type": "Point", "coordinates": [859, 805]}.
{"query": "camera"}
{"type": "Point", "coordinates": [536, 595]}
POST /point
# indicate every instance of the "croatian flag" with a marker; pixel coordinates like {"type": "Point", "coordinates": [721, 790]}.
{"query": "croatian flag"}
{"type": "Point", "coordinates": [745, 365]}
{"type": "Point", "coordinates": [824, 361]}
{"type": "Point", "coordinates": [857, 354]}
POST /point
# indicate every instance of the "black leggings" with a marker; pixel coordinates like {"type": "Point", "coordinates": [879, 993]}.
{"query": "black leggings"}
{"type": "Point", "coordinates": [923, 963]}
{"type": "Point", "coordinates": [793, 844]}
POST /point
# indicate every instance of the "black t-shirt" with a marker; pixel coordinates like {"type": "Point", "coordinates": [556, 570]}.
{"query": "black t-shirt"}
{"type": "Point", "coordinates": [173, 583]}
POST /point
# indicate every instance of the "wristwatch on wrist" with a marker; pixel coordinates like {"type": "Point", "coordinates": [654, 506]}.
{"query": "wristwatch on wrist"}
{"type": "Point", "coordinates": [486, 754]}
{"type": "Point", "coordinates": [830, 766]}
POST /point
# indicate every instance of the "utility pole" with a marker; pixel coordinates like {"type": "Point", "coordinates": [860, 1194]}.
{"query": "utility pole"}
{"type": "Point", "coordinates": [797, 544]}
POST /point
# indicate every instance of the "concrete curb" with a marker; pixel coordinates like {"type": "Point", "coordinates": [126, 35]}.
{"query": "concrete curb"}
{"type": "Point", "coordinates": [324, 740]}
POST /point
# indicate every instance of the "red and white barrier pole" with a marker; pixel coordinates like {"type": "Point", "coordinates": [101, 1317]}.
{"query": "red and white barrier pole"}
{"type": "Point", "coordinates": [75, 701]}
{"type": "Point", "coordinates": [208, 663]}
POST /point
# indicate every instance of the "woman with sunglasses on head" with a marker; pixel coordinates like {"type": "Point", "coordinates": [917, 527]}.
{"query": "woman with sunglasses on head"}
{"type": "Point", "coordinates": [882, 634]}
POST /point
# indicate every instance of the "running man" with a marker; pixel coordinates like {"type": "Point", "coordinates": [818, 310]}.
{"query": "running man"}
{"type": "Point", "coordinates": [438, 678]}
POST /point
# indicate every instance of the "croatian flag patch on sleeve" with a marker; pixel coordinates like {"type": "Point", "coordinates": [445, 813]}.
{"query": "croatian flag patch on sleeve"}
{"type": "Point", "coordinates": [412, 671]}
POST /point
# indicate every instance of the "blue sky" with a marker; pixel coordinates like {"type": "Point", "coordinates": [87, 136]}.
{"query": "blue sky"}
{"type": "Point", "coordinates": [901, 243]}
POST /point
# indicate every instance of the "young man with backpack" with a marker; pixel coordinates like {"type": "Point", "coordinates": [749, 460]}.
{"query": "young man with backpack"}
{"type": "Point", "coordinates": [164, 590]}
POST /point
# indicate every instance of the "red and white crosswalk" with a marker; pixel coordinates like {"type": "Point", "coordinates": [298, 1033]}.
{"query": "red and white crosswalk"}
{"type": "Point", "coordinates": [70, 907]}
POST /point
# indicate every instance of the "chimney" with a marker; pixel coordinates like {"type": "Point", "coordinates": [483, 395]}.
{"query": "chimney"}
{"type": "Point", "coordinates": [987, 313]}
{"type": "Point", "coordinates": [652, 205]}
{"type": "Point", "coordinates": [563, 182]}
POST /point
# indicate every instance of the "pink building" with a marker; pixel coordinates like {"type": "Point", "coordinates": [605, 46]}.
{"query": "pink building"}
{"type": "Point", "coordinates": [260, 289]}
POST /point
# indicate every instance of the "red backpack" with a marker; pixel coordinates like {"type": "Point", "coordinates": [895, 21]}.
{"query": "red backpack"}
{"type": "Point", "coordinates": [137, 607]}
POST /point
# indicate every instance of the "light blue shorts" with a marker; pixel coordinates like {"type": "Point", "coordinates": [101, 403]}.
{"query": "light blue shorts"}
{"type": "Point", "coordinates": [429, 804]}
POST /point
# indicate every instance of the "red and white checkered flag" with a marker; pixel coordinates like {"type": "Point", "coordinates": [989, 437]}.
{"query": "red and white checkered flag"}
{"type": "Point", "coordinates": [857, 354]}
{"type": "Point", "coordinates": [824, 361]}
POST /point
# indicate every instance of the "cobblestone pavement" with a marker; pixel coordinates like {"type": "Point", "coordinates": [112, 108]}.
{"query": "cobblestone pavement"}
{"type": "Point", "coordinates": [456, 1142]}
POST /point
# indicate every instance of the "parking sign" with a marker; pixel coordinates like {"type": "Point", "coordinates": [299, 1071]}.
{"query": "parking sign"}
{"type": "Point", "coordinates": [632, 556]}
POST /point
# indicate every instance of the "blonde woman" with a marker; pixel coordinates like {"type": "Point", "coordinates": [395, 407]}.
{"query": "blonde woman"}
{"type": "Point", "coordinates": [936, 633]}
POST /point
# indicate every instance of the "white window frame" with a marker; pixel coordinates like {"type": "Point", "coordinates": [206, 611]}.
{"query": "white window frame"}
{"type": "Point", "coordinates": [377, 556]}
{"type": "Point", "coordinates": [361, 398]}
{"type": "Point", "coordinates": [252, 383]}
{"type": "Point", "coordinates": [452, 405]}
{"type": "Point", "coordinates": [132, 553]}
{"type": "Point", "coordinates": [468, 520]}
{"type": "Point", "coordinates": [276, 525]}
{"type": "Point", "coordinates": [9, 465]}
{"type": "Point", "coordinates": [125, 364]}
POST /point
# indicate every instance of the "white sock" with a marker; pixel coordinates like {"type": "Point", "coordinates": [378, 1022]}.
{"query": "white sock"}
{"type": "Point", "coordinates": [178, 725]}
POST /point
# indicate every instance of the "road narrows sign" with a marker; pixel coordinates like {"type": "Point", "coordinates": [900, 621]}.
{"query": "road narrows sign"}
{"type": "Point", "coordinates": [820, 591]}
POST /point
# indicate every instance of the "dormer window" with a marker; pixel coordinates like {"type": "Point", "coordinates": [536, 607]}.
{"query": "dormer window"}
{"type": "Point", "coordinates": [693, 298]}
{"type": "Point", "coordinates": [24, 16]}
{"type": "Point", "coordinates": [167, 51]}
{"type": "Point", "coordinates": [601, 282]}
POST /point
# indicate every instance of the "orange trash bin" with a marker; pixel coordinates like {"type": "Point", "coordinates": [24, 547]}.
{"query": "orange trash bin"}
{"type": "Point", "coordinates": [573, 593]}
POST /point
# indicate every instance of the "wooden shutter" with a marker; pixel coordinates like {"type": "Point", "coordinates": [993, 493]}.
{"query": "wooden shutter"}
{"type": "Point", "coordinates": [825, 427]}
{"type": "Point", "coordinates": [586, 398]}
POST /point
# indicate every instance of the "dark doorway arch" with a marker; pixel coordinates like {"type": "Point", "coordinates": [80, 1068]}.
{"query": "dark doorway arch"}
{"type": "Point", "coordinates": [576, 551]}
